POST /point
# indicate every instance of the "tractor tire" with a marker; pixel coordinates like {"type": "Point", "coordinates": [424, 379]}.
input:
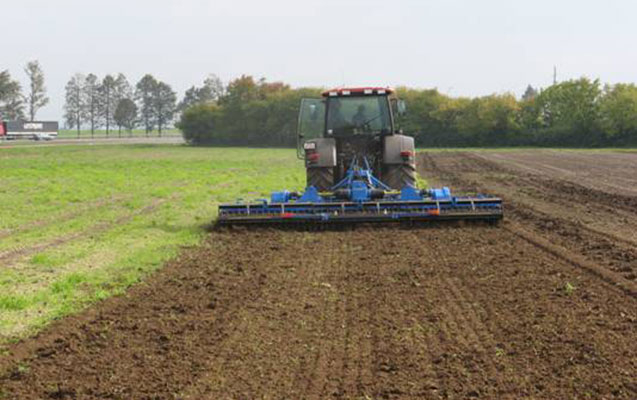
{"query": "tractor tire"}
{"type": "Point", "coordinates": [322, 178]}
{"type": "Point", "coordinates": [398, 175]}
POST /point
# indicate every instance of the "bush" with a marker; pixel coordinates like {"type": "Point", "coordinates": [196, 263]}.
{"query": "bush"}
{"type": "Point", "coordinates": [198, 123]}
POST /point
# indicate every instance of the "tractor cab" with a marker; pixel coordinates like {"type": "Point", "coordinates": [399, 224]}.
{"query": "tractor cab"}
{"type": "Point", "coordinates": [345, 112]}
{"type": "Point", "coordinates": [354, 126]}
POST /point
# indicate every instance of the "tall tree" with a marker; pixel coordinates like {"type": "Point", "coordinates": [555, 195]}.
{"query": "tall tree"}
{"type": "Point", "coordinates": [618, 109]}
{"type": "Point", "coordinates": [214, 87]}
{"type": "Point", "coordinates": [164, 99]}
{"type": "Point", "coordinates": [36, 98]}
{"type": "Point", "coordinates": [530, 93]}
{"type": "Point", "coordinates": [211, 91]}
{"type": "Point", "coordinates": [123, 90]}
{"type": "Point", "coordinates": [75, 106]}
{"type": "Point", "coordinates": [107, 100]}
{"type": "Point", "coordinates": [240, 90]}
{"type": "Point", "coordinates": [11, 104]}
{"type": "Point", "coordinates": [570, 112]}
{"type": "Point", "coordinates": [125, 115]}
{"type": "Point", "coordinates": [145, 91]}
{"type": "Point", "coordinates": [92, 99]}
{"type": "Point", "coordinates": [191, 97]}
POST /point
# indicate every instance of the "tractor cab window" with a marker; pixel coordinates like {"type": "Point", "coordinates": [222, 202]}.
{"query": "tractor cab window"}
{"type": "Point", "coordinates": [358, 115]}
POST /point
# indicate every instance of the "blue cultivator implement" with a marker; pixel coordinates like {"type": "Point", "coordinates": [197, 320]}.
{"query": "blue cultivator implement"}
{"type": "Point", "coordinates": [361, 197]}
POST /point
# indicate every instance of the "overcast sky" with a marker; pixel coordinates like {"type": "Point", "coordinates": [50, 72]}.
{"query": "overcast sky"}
{"type": "Point", "coordinates": [462, 47]}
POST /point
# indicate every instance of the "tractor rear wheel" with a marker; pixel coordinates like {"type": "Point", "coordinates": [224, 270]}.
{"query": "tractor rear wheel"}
{"type": "Point", "coordinates": [322, 178]}
{"type": "Point", "coordinates": [398, 175]}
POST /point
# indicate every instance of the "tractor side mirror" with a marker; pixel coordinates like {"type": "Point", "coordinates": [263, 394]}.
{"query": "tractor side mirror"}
{"type": "Point", "coordinates": [310, 124]}
{"type": "Point", "coordinates": [313, 112]}
{"type": "Point", "coordinates": [401, 107]}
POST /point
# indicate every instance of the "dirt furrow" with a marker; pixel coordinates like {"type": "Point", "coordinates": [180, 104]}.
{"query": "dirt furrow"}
{"type": "Point", "coordinates": [324, 345]}
{"type": "Point", "coordinates": [611, 171]}
{"type": "Point", "coordinates": [327, 315]}
{"type": "Point", "coordinates": [477, 359]}
{"type": "Point", "coordinates": [545, 217]}
{"type": "Point", "coordinates": [611, 277]}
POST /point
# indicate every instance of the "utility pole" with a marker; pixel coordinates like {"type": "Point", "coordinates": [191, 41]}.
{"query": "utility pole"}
{"type": "Point", "coordinates": [554, 75]}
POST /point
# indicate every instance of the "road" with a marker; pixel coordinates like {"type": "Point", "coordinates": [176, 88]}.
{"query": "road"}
{"type": "Point", "coordinates": [5, 144]}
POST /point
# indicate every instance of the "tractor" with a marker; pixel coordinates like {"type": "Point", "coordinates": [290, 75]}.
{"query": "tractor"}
{"type": "Point", "coordinates": [360, 168]}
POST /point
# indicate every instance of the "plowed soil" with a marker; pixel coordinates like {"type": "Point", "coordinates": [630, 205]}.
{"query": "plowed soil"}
{"type": "Point", "coordinates": [541, 306]}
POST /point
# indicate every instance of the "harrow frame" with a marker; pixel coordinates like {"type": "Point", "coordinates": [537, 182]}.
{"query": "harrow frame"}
{"type": "Point", "coordinates": [361, 198]}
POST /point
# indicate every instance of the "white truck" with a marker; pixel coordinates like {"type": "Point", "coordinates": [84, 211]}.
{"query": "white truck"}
{"type": "Point", "coordinates": [36, 130]}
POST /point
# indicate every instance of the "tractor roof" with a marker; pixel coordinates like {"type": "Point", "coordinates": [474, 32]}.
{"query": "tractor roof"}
{"type": "Point", "coordinates": [357, 91]}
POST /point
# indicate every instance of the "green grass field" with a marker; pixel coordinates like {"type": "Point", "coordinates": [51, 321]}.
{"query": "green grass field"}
{"type": "Point", "coordinates": [81, 223]}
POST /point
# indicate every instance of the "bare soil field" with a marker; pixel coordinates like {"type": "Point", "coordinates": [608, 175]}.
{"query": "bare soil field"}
{"type": "Point", "coordinates": [542, 306]}
{"type": "Point", "coordinates": [613, 172]}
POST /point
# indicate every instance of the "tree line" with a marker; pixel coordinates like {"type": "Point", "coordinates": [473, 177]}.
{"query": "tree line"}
{"type": "Point", "coordinates": [17, 105]}
{"type": "Point", "coordinates": [254, 112]}
{"type": "Point", "coordinates": [247, 112]}
{"type": "Point", "coordinates": [150, 104]}
{"type": "Point", "coordinates": [112, 101]}
{"type": "Point", "coordinates": [575, 113]}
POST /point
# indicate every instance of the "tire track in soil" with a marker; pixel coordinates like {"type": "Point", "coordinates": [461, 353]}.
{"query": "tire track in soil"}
{"type": "Point", "coordinates": [614, 256]}
{"type": "Point", "coordinates": [339, 364]}
{"type": "Point", "coordinates": [582, 168]}
{"type": "Point", "coordinates": [582, 206]}
{"type": "Point", "coordinates": [615, 279]}
{"type": "Point", "coordinates": [619, 209]}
